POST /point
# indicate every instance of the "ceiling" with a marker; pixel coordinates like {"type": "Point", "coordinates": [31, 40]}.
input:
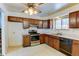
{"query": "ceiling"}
{"type": "Point", "coordinates": [46, 8]}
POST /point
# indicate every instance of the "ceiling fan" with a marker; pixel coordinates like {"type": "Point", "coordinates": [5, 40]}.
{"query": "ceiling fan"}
{"type": "Point", "coordinates": [31, 8]}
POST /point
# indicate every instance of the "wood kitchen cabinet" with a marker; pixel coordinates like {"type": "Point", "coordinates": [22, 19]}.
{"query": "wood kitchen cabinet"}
{"type": "Point", "coordinates": [26, 40]}
{"type": "Point", "coordinates": [46, 39]}
{"type": "Point", "coordinates": [42, 38]}
{"type": "Point", "coordinates": [54, 42]}
{"type": "Point", "coordinates": [51, 42]}
{"type": "Point", "coordinates": [77, 19]}
{"type": "Point", "coordinates": [25, 23]}
{"type": "Point", "coordinates": [40, 24]}
{"type": "Point", "coordinates": [75, 48]}
{"type": "Point", "coordinates": [73, 20]}
{"type": "Point", "coordinates": [45, 24]}
{"type": "Point", "coordinates": [33, 21]}
{"type": "Point", "coordinates": [14, 19]}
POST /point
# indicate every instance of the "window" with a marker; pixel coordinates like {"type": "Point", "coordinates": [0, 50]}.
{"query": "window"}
{"type": "Point", "coordinates": [62, 23]}
{"type": "Point", "coordinates": [58, 24]}
{"type": "Point", "coordinates": [65, 23]}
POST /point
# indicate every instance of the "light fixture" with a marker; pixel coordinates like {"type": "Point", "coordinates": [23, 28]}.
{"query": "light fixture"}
{"type": "Point", "coordinates": [32, 8]}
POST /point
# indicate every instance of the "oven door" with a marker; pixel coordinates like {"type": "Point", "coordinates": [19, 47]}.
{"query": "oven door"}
{"type": "Point", "coordinates": [35, 38]}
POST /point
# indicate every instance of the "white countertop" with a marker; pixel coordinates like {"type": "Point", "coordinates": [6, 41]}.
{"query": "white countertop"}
{"type": "Point", "coordinates": [70, 36]}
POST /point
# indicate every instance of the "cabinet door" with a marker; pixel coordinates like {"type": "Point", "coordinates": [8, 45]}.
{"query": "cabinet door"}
{"type": "Point", "coordinates": [78, 19]}
{"type": "Point", "coordinates": [51, 42]}
{"type": "Point", "coordinates": [19, 19]}
{"type": "Point", "coordinates": [75, 48]}
{"type": "Point", "coordinates": [51, 23]}
{"type": "Point", "coordinates": [14, 19]}
{"type": "Point", "coordinates": [26, 41]}
{"type": "Point", "coordinates": [72, 20]}
{"type": "Point", "coordinates": [46, 39]}
{"type": "Point", "coordinates": [42, 39]}
{"type": "Point", "coordinates": [26, 23]}
{"type": "Point", "coordinates": [56, 44]}
{"type": "Point", "coordinates": [45, 24]}
{"type": "Point", "coordinates": [40, 24]}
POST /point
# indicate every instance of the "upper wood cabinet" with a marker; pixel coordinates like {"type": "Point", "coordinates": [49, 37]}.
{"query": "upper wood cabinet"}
{"type": "Point", "coordinates": [15, 19]}
{"type": "Point", "coordinates": [40, 24]}
{"type": "Point", "coordinates": [77, 19]}
{"type": "Point", "coordinates": [50, 23]}
{"type": "Point", "coordinates": [33, 21]}
{"type": "Point", "coordinates": [45, 24]}
{"type": "Point", "coordinates": [27, 22]}
{"type": "Point", "coordinates": [73, 20]}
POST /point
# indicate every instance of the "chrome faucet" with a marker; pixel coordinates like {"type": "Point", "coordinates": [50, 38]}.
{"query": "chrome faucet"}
{"type": "Point", "coordinates": [59, 34]}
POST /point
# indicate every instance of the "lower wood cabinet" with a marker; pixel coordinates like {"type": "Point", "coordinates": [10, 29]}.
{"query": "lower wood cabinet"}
{"type": "Point", "coordinates": [42, 40]}
{"type": "Point", "coordinates": [56, 43]}
{"type": "Point", "coordinates": [46, 40]}
{"type": "Point", "coordinates": [26, 41]}
{"type": "Point", "coordinates": [50, 40]}
{"type": "Point", "coordinates": [75, 48]}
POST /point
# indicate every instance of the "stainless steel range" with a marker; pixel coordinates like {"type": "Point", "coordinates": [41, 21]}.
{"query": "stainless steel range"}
{"type": "Point", "coordinates": [34, 35]}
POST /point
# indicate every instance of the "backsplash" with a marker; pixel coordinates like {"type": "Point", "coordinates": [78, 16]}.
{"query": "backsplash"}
{"type": "Point", "coordinates": [53, 31]}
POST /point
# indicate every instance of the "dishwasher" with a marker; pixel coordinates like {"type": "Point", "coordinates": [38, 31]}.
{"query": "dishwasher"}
{"type": "Point", "coordinates": [66, 45]}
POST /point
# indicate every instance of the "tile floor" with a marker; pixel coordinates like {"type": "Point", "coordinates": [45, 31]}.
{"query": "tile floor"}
{"type": "Point", "coordinates": [40, 50]}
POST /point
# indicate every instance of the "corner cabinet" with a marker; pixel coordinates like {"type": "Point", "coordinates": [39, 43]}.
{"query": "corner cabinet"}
{"type": "Point", "coordinates": [52, 41]}
{"type": "Point", "coordinates": [42, 38]}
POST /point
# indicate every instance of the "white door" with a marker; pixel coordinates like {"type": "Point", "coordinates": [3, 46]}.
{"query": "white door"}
{"type": "Point", "coordinates": [15, 33]}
